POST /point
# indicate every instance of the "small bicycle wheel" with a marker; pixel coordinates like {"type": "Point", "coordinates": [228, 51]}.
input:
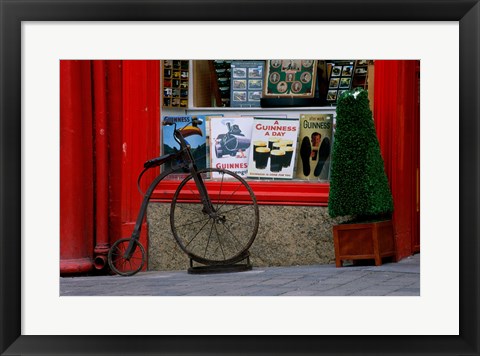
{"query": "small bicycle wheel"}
{"type": "Point", "coordinates": [121, 265]}
{"type": "Point", "coordinates": [224, 234]}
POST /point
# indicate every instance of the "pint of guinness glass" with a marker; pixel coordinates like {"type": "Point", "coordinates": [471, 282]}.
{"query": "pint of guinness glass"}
{"type": "Point", "coordinates": [276, 162]}
{"type": "Point", "coordinates": [262, 157]}
{"type": "Point", "coordinates": [257, 144]}
{"type": "Point", "coordinates": [288, 143]}
{"type": "Point", "coordinates": [271, 141]}
{"type": "Point", "coordinates": [287, 159]}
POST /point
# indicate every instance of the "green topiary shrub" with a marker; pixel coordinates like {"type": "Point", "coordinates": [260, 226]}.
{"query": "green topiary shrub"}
{"type": "Point", "coordinates": [358, 183]}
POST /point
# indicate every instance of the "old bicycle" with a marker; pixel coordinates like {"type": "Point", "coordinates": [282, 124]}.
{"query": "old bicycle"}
{"type": "Point", "coordinates": [214, 224]}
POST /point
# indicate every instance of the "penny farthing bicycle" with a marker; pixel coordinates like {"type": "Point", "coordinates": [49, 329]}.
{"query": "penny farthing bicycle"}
{"type": "Point", "coordinates": [214, 224]}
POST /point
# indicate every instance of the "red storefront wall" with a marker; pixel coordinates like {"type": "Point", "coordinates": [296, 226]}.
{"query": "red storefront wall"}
{"type": "Point", "coordinates": [397, 120]}
{"type": "Point", "coordinates": [109, 126]}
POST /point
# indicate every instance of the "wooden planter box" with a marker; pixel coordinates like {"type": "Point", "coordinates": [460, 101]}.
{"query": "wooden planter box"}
{"type": "Point", "coordinates": [364, 241]}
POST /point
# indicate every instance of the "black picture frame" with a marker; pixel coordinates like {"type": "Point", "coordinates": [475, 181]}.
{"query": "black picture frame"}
{"type": "Point", "coordinates": [13, 12]}
{"type": "Point", "coordinates": [283, 72]}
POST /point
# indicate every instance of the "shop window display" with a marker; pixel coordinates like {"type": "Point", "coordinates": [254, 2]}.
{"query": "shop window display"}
{"type": "Point", "coordinates": [228, 94]}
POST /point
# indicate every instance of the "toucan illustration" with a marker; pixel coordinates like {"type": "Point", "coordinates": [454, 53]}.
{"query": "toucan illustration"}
{"type": "Point", "coordinates": [192, 129]}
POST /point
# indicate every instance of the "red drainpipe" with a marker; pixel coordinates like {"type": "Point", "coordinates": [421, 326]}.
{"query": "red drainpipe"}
{"type": "Point", "coordinates": [101, 165]}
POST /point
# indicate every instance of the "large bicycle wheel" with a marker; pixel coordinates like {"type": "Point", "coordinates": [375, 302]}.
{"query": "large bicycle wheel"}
{"type": "Point", "coordinates": [224, 234]}
{"type": "Point", "coordinates": [126, 266]}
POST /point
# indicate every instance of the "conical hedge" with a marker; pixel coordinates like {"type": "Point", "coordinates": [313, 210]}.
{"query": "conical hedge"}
{"type": "Point", "coordinates": [358, 183]}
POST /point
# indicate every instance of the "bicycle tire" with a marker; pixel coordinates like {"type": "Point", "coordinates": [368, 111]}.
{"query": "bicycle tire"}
{"type": "Point", "coordinates": [122, 266]}
{"type": "Point", "coordinates": [224, 237]}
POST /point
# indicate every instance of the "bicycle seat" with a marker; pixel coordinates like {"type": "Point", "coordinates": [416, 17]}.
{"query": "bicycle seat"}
{"type": "Point", "coordinates": [159, 160]}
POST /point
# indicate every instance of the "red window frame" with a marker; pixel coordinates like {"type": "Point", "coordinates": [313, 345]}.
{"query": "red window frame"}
{"type": "Point", "coordinates": [267, 193]}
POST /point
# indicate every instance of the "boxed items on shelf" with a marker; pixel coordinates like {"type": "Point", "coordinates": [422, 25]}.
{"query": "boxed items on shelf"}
{"type": "Point", "coordinates": [222, 74]}
{"type": "Point", "coordinates": [175, 83]}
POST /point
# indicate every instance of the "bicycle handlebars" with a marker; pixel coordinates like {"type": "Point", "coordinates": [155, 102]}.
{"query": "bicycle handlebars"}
{"type": "Point", "coordinates": [177, 135]}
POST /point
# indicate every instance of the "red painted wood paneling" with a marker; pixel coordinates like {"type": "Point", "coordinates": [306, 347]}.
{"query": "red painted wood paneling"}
{"type": "Point", "coordinates": [76, 168]}
{"type": "Point", "coordinates": [109, 123]}
{"type": "Point", "coordinates": [100, 138]}
{"type": "Point", "coordinates": [115, 139]}
{"type": "Point", "coordinates": [141, 134]}
{"type": "Point", "coordinates": [396, 114]}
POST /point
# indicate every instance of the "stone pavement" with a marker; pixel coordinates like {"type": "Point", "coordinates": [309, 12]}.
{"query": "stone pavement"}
{"type": "Point", "coordinates": [390, 279]}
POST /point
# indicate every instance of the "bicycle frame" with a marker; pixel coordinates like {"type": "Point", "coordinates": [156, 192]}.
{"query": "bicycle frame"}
{"type": "Point", "coordinates": [186, 162]}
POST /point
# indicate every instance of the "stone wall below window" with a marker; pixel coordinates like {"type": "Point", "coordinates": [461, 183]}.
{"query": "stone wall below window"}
{"type": "Point", "coordinates": [287, 236]}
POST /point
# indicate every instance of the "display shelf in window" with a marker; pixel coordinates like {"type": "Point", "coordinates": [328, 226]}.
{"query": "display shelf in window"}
{"type": "Point", "coordinates": [175, 83]}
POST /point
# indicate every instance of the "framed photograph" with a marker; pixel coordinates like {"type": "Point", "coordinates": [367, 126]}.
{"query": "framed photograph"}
{"type": "Point", "coordinates": [255, 84]}
{"type": "Point", "coordinates": [334, 82]}
{"type": "Point", "coordinates": [345, 82]}
{"type": "Point", "coordinates": [239, 84]}
{"type": "Point", "coordinates": [347, 71]}
{"type": "Point", "coordinates": [254, 95]}
{"type": "Point", "coordinates": [16, 216]}
{"type": "Point", "coordinates": [247, 81]}
{"type": "Point", "coordinates": [336, 71]}
{"type": "Point", "coordinates": [239, 72]}
{"type": "Point", "coordinates": [332, 95]}
{"type": "Point", "coordinates": [340, 78]}
{"type": "Point", "coordinates": [255, 72]}
{"type": "Point", "coordinates": [239, 96]}
{"type": "Point", "coordinates": [290, 77]}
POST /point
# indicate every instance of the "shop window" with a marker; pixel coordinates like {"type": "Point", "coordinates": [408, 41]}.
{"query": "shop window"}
{"type": "Point", "coordinates": [270, 121]}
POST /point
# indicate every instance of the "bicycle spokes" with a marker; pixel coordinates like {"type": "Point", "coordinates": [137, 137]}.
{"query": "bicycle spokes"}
{"type": "Point", "coordinates": [222, 233]}
{"type": "Point", "coordinates": [123, 263]}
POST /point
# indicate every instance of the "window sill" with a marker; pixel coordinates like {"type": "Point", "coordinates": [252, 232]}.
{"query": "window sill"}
{"type": "Point", "coordinates": [267, 193]}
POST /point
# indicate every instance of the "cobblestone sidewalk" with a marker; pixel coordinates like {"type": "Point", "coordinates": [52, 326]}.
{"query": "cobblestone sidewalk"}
{"type": "Point", "coordinates": [390, 279]}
